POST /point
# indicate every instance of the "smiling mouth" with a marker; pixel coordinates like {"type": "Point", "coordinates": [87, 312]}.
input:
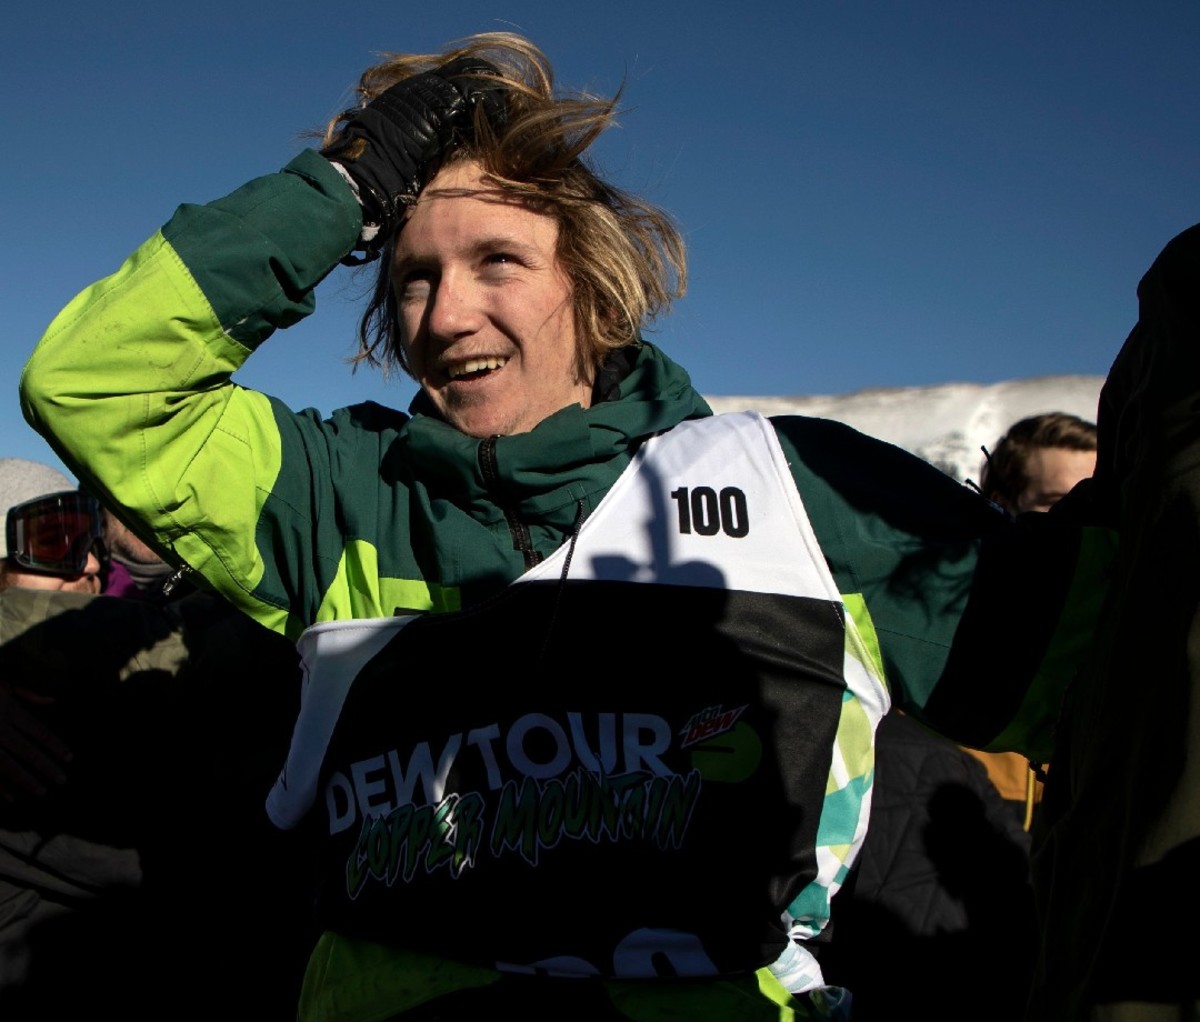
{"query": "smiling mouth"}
{"type": "Point", "coordinates": [475, 368]}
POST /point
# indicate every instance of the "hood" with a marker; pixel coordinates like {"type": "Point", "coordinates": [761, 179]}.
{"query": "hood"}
{"type": "Point", "coordinates": [540, 477]}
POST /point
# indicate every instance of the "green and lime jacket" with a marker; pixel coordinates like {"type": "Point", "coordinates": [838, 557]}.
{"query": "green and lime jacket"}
{"type": "Point", "coordinates": [977, 623]}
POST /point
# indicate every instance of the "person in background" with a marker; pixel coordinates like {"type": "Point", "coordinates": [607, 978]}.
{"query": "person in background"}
{"type": "Point", "coordinates": [135, 571]}
{"type": "Point", "coordinates": [944, 871]}
{"type": "Point", "coordinates": [69, 870]}
{"type": "Point", "coordinates": [1031, 468]}
{"type": "Point", "coordinates": [1039, 461]}
{"type": "Point", "coordinates": [52, 543]}
{"type": "Point", "coordinates": [53, 535]}
{"type": "Point", "coordinates": [137, 739]}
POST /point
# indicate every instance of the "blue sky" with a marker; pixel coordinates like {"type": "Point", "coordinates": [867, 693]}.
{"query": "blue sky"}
{"type": "Point", "coordinates": [874, 194]}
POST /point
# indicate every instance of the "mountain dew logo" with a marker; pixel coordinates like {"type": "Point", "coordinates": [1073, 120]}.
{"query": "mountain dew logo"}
{"type": "Point", "coordinates": [722, 746]}
{"type": "Point", "coordinates": [709, 722]}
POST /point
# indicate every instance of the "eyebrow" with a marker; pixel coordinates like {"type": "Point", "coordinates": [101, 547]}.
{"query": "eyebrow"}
{"type": "Point", "coordinates": [505, 243]}
{"type": "Point", "coordinates": [480, 247]}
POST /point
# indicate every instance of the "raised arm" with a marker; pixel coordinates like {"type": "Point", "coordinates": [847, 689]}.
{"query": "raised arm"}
{"type": "Point", "coordinates": [131, 383]}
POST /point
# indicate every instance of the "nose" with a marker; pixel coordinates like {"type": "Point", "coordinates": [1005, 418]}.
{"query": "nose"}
{"type": "Point", "coordinates": [91, 573]}
{"type": "Point", "coordinates": [455, 310]}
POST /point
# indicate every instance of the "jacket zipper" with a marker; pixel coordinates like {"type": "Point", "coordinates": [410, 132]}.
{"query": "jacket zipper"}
{"type": "Point", "coordinates": [173, 580]}
{"type": "Point", "coordinates": [522, 541]}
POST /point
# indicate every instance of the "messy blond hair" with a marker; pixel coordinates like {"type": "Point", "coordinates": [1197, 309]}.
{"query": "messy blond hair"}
{"type": "Point", "coordinates": [624, 257]}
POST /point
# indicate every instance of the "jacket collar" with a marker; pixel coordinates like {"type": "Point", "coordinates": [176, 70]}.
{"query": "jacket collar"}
{"type": "Point", "coordinates": [575, 454]}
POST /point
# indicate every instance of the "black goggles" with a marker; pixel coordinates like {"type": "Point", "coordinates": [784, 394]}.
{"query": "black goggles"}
{"type": "Point", "coordinates": [54, 534]}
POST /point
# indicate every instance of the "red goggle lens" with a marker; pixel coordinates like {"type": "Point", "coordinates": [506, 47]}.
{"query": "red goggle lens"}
{"type": "Point", "coordinates": [55, 533]}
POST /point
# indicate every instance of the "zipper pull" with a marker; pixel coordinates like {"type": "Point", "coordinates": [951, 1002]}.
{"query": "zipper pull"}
{"type": "Point", "coordinates": [177, 576]}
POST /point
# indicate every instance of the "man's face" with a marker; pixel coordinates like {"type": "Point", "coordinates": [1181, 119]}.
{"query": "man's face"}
{"type": "Point", "coordinates": [124, 545]}
{"type": "Point", "coordinates": [485, 310]}
{"type": "Point", "coordinates": [1053, 473]}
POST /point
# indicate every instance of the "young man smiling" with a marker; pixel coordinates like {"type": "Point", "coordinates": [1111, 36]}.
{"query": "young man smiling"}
{"type": "Point", "coordinates": [484, 307]}
{"type": "Point", "coordinates": [593, 675]}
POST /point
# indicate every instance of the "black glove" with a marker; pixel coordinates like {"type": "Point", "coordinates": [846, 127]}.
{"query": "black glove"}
{"type": "Point", "coordinates": [405, 129]}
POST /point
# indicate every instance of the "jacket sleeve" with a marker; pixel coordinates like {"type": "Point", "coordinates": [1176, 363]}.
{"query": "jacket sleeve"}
{"type": "Point", "coordinates": [131, 382]}
{"type": "Point", "coordinates": [981, 621]}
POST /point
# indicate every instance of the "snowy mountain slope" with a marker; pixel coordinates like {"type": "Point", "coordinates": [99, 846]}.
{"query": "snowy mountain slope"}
{"type": "Point", "coordinates": [944, 424]}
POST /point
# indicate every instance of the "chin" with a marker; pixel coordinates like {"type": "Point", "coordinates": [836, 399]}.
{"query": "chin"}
{"type": "Point", "coordinates": [476, 429]}
{"type": "Point", "coordinates": [481, 425]}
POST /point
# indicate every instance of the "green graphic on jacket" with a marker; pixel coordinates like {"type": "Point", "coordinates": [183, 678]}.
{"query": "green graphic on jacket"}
{"type": "Point", "coordinates": [530, 815]}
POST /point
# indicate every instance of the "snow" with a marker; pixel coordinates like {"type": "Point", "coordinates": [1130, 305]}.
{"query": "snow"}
{"type": "Point", "coordinates": [945, 424]}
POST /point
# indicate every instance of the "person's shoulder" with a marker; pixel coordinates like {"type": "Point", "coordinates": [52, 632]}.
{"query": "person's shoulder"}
{"type": "Point", "coordinates": [366, 415]}
{"type": "Point", "coordinates": [22, 609]}
{"type": "Point", "coordinates": [871, 475]}
{"type": "Point", "coordinates": [367, 424]}
{"type": "Point", "coordinates": [810, 429]}
{"type": "Point", "coordinates": [828, 442]}
{"type": "Point", "coordinates": [64, 639]}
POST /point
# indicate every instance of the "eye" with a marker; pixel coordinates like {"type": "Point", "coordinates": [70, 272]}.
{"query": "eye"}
{"type": "Point", "coordinates": [414, 286]}
{"type": "Point", "coordinates": [499, 259]}
{"type": "Point", "coordinates": [499, 266]}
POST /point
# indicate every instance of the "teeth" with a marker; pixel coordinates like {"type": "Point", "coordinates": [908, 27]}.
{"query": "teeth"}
{"type": "Point", "coordinates": [475, 365]}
